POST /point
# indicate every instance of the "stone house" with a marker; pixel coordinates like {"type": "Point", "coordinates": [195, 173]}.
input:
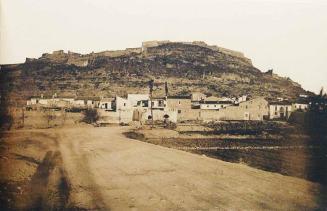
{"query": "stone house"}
{"type": "Point", "coordinates": [254, 109]}
{"type": "Point", "coordinates": [183, 106]}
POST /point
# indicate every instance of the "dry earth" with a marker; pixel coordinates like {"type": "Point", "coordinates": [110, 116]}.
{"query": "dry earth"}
{"type": "Point", "coordinates": [99, 168]}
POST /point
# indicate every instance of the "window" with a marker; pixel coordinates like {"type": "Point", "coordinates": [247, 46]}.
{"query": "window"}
{"type": "Point", "coordinates": [179, 111]}
{"type": "Point", "coordinates": [124, 104]}
{"type": "Point", "coordinates": [215, 106]}
{"type": "Point", "coordinates": [179, 102]}
{"type": "Point", "coordinates": [246, 106]}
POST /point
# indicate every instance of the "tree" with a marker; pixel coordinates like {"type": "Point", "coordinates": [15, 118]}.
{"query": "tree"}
{"type": "Point", "coordinates": [91, 115]}
{"type": "Point", "coordinates": [319, 102]}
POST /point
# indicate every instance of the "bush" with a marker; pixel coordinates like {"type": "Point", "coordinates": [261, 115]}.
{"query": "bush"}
{"type": "Point", "coordinates": [6, 121]}
{"type": "Point", "coordinates": [90, 116]}
{"type": "Point", "coordinates": [170, 125]}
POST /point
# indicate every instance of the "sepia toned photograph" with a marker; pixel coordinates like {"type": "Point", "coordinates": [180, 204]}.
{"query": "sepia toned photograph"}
{"type": "Point", "coordinates": [163, 105]}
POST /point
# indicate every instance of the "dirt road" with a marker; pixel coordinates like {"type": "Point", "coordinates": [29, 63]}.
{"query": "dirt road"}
{"type": "Point", "coordinates": [99, 168]}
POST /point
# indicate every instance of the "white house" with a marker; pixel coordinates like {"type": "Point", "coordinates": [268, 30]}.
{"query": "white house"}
{"type": "Point", "coordinates": [79, 103]}
{"type": "Point", "coordinates": [280, 110]}
{"type": "Point", "coordinates": [300, 106]}
{"type": "Point", "coordinates": [123, 104]}
{"type": "Point", "coordinates": [32, 101]}
{"type": "Point", "coordinates": [158, 103]}
{"type": "Point", "coordinates": [134, 98]}
{"type": "Point", "coordinates": [143, 103]}
{"type": "Point", "coordinates": [107, 104]}
{"type": "Point", "coordinates": [243, 98]}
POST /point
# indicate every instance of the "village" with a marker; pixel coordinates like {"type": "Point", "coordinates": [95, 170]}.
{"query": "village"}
{"type": "Point", "coordinates": [195, 107]}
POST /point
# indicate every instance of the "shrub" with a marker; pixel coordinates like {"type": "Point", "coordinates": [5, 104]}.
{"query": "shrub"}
{"type": "Point", "coordinates": [170, 125]}
{"type": "Point", "coordinates": [90, 116]}
{"type": "Point", "coordinates": [6, 121]}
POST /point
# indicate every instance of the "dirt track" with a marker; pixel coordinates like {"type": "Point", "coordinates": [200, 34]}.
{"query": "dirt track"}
{"type": "Point", "coordinates": [99, 168]}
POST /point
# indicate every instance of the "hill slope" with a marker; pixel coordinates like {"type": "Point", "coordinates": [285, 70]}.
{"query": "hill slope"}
{"type": "Point", "coordinates": [186, 67]}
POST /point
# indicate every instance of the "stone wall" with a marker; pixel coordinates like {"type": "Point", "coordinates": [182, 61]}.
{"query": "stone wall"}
{"type": "Point", "coordinates": [115, 117]}
{"type": "Point", "coordinates": [160, 115]}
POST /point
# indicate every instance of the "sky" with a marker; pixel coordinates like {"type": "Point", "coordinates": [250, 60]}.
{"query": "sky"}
{"type": "Point", "coordinates": [289, 36]}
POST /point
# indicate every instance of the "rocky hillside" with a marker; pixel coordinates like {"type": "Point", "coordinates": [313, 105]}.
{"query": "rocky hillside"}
{"type": "Point", "coordinates": [187, 67]}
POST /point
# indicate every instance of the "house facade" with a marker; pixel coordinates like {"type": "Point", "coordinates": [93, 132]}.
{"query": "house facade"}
{"type": "Point", "coordinates": [255, 109]}
{"type": "Point", "coordinates": [124, 104]}
{"type": "Point", "coordinates": [300, 106]}
{"type": "Point", "coordinates": [108, 104]}
{"type": "Point", "coordinates": [280, 110]}
{"type": "Point", "coordinates": [214, 103]}
{"type": "Point", "coordinates": [134, 98]}
{"type": "Point", "coordinates": [159, 103]}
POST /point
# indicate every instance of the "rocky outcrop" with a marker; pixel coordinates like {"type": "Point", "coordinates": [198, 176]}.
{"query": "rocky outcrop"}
{"type": "Point", "coordinates": [186, 66]}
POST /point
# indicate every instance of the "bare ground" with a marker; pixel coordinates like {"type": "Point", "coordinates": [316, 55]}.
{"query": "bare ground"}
{"type": "Point", "coordinates": [99, 168]}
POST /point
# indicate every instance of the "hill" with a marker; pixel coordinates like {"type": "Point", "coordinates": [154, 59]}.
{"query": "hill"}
{"type": "Point", "coordinates": [186, 66]}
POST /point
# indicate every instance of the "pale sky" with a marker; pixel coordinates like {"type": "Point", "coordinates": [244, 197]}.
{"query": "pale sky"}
{"type": "Point", "coordinates": [289, 36]}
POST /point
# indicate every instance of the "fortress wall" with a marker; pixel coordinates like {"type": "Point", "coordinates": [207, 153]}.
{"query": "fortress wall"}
{"type": "Point", "coordinates": [238, 54]}
{"type": "Point", "coordinates": [117, 53]}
